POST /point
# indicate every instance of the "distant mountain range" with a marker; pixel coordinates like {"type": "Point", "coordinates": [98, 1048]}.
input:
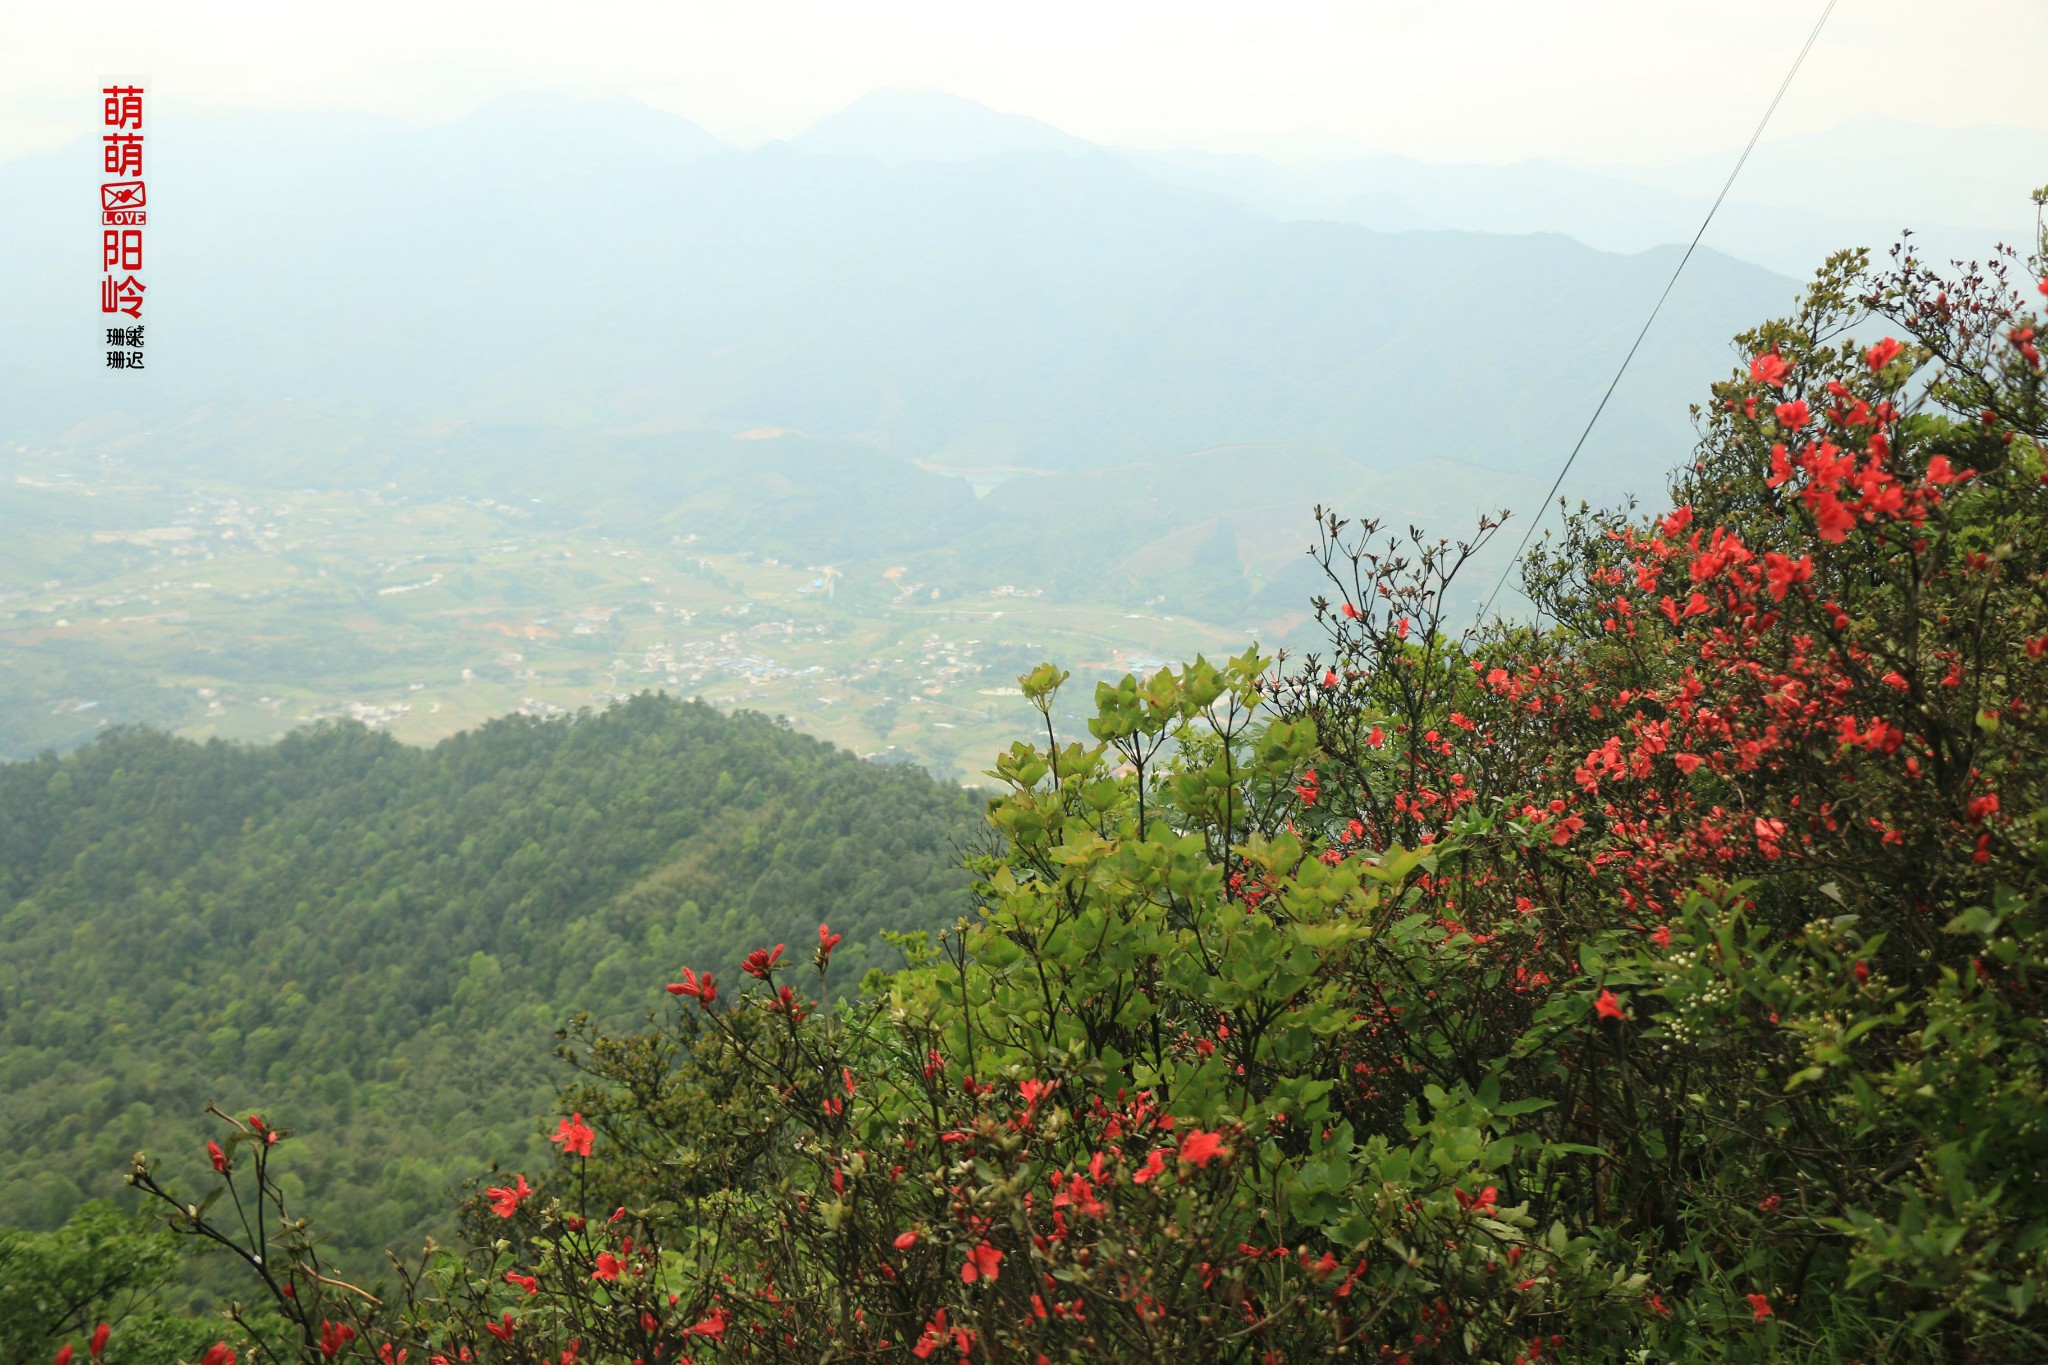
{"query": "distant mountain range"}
{"type": "Point", "coordinates": [1798, 198]}
{"type": "Point", "coordinates": [958, 293]}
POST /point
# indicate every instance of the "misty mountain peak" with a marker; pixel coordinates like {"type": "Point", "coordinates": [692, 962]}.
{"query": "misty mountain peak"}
{"type": "Point", "coordinates": [895, 124]}
{"type": "Point", "coordinates": [538, 121]}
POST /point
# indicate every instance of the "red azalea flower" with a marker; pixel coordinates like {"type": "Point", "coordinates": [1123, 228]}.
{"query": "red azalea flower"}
{"type": "Point", "coordinates": [607, 1267]}
{"type": "Point", "coordinates": [505, 1200]}
{"type": "Point", "coordinates": [702, 988]}
{"type": "Point", "coordinates": [216, 1156]}
{"type": "Point", "coordinates": [1770, 368]}
{"type": "Point", "coordinates": [1483, 1202]}
{"type": "Point", "coordinates": [99, 1340]}
{"type": "Point", "coordinates": [1760, 1305]}
{"type": "Point", "coordinates": [1940, 471]}
{"type": "Point", "coordinates": [982, 1264]}
{"type": "Point", "coordinates": [1877, 357]}
{"type": "Point", "coordinates": [1831, 518]}
{"type": "Point", "coordinates": [502, 1329]}
{"type": "Point", "coordinates": [934, 1334]}
{"type": "Point", "coordinates": [574, 1135]}
{"type": "Point", "coordinates": [1198, 1147]}
{"type": "Point", "coordinates": [827, 940]}
{"type": "Point", "coordinates": [1607, 1006]}
{"type": "Point", "coordinates": [334, 1336]}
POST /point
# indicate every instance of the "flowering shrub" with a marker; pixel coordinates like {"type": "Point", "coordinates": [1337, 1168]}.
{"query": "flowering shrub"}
{"type": "Point", "coordinates": [1763, 807]}
{"type": "Point", "coordinates": [1660, 979]}
{"type": "Point", "coordinates": [61, 1288]}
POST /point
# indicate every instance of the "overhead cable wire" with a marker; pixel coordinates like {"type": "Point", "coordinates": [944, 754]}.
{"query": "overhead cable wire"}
{"type": "Point", "coordinates": [1557, 483]}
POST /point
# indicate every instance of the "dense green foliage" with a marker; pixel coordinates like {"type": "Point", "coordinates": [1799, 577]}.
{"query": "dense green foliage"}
{"type": "Point", "coordinates": [383, 940]}
{"type": "Point", "coordinates": [102, 1266]}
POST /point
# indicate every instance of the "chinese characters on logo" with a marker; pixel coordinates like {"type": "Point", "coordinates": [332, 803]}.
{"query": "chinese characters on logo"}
{"type": "Point", "coordinates": [124, 198]}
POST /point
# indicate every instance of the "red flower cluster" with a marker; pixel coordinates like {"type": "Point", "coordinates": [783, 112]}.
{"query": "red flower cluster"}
{"type": "Point", "coordinates": [505, 1200]}
{"type": "Point", "coordinates": [334, 1336]}
{"type": "Point", "coordinates": [762, 963]}
{"type": "Point", "coordinates": [983, 1263]}
{"type": "Point", "coordinates": [703, 989]}
{"type": "Point", "coordinates": [574, 1135]}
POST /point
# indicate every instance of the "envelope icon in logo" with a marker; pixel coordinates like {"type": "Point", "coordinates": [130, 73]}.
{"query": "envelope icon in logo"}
{"type": "Point", "coordinates": [122, 194]}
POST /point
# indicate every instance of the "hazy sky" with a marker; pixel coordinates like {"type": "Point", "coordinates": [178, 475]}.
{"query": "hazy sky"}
{"type": "Point", "coordinates": [1480, 80]}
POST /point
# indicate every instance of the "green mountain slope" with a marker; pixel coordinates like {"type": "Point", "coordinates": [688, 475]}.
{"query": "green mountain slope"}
{"type": "Point", "coordinates": [376, 942]}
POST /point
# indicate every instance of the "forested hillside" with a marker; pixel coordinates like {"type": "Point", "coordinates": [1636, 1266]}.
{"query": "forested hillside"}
{"type": "Point", "coordinates": [381, 940]}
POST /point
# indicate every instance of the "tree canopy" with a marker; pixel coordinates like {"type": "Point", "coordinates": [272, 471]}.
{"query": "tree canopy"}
{"type": "Point", "coordinates": [385, 939]}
